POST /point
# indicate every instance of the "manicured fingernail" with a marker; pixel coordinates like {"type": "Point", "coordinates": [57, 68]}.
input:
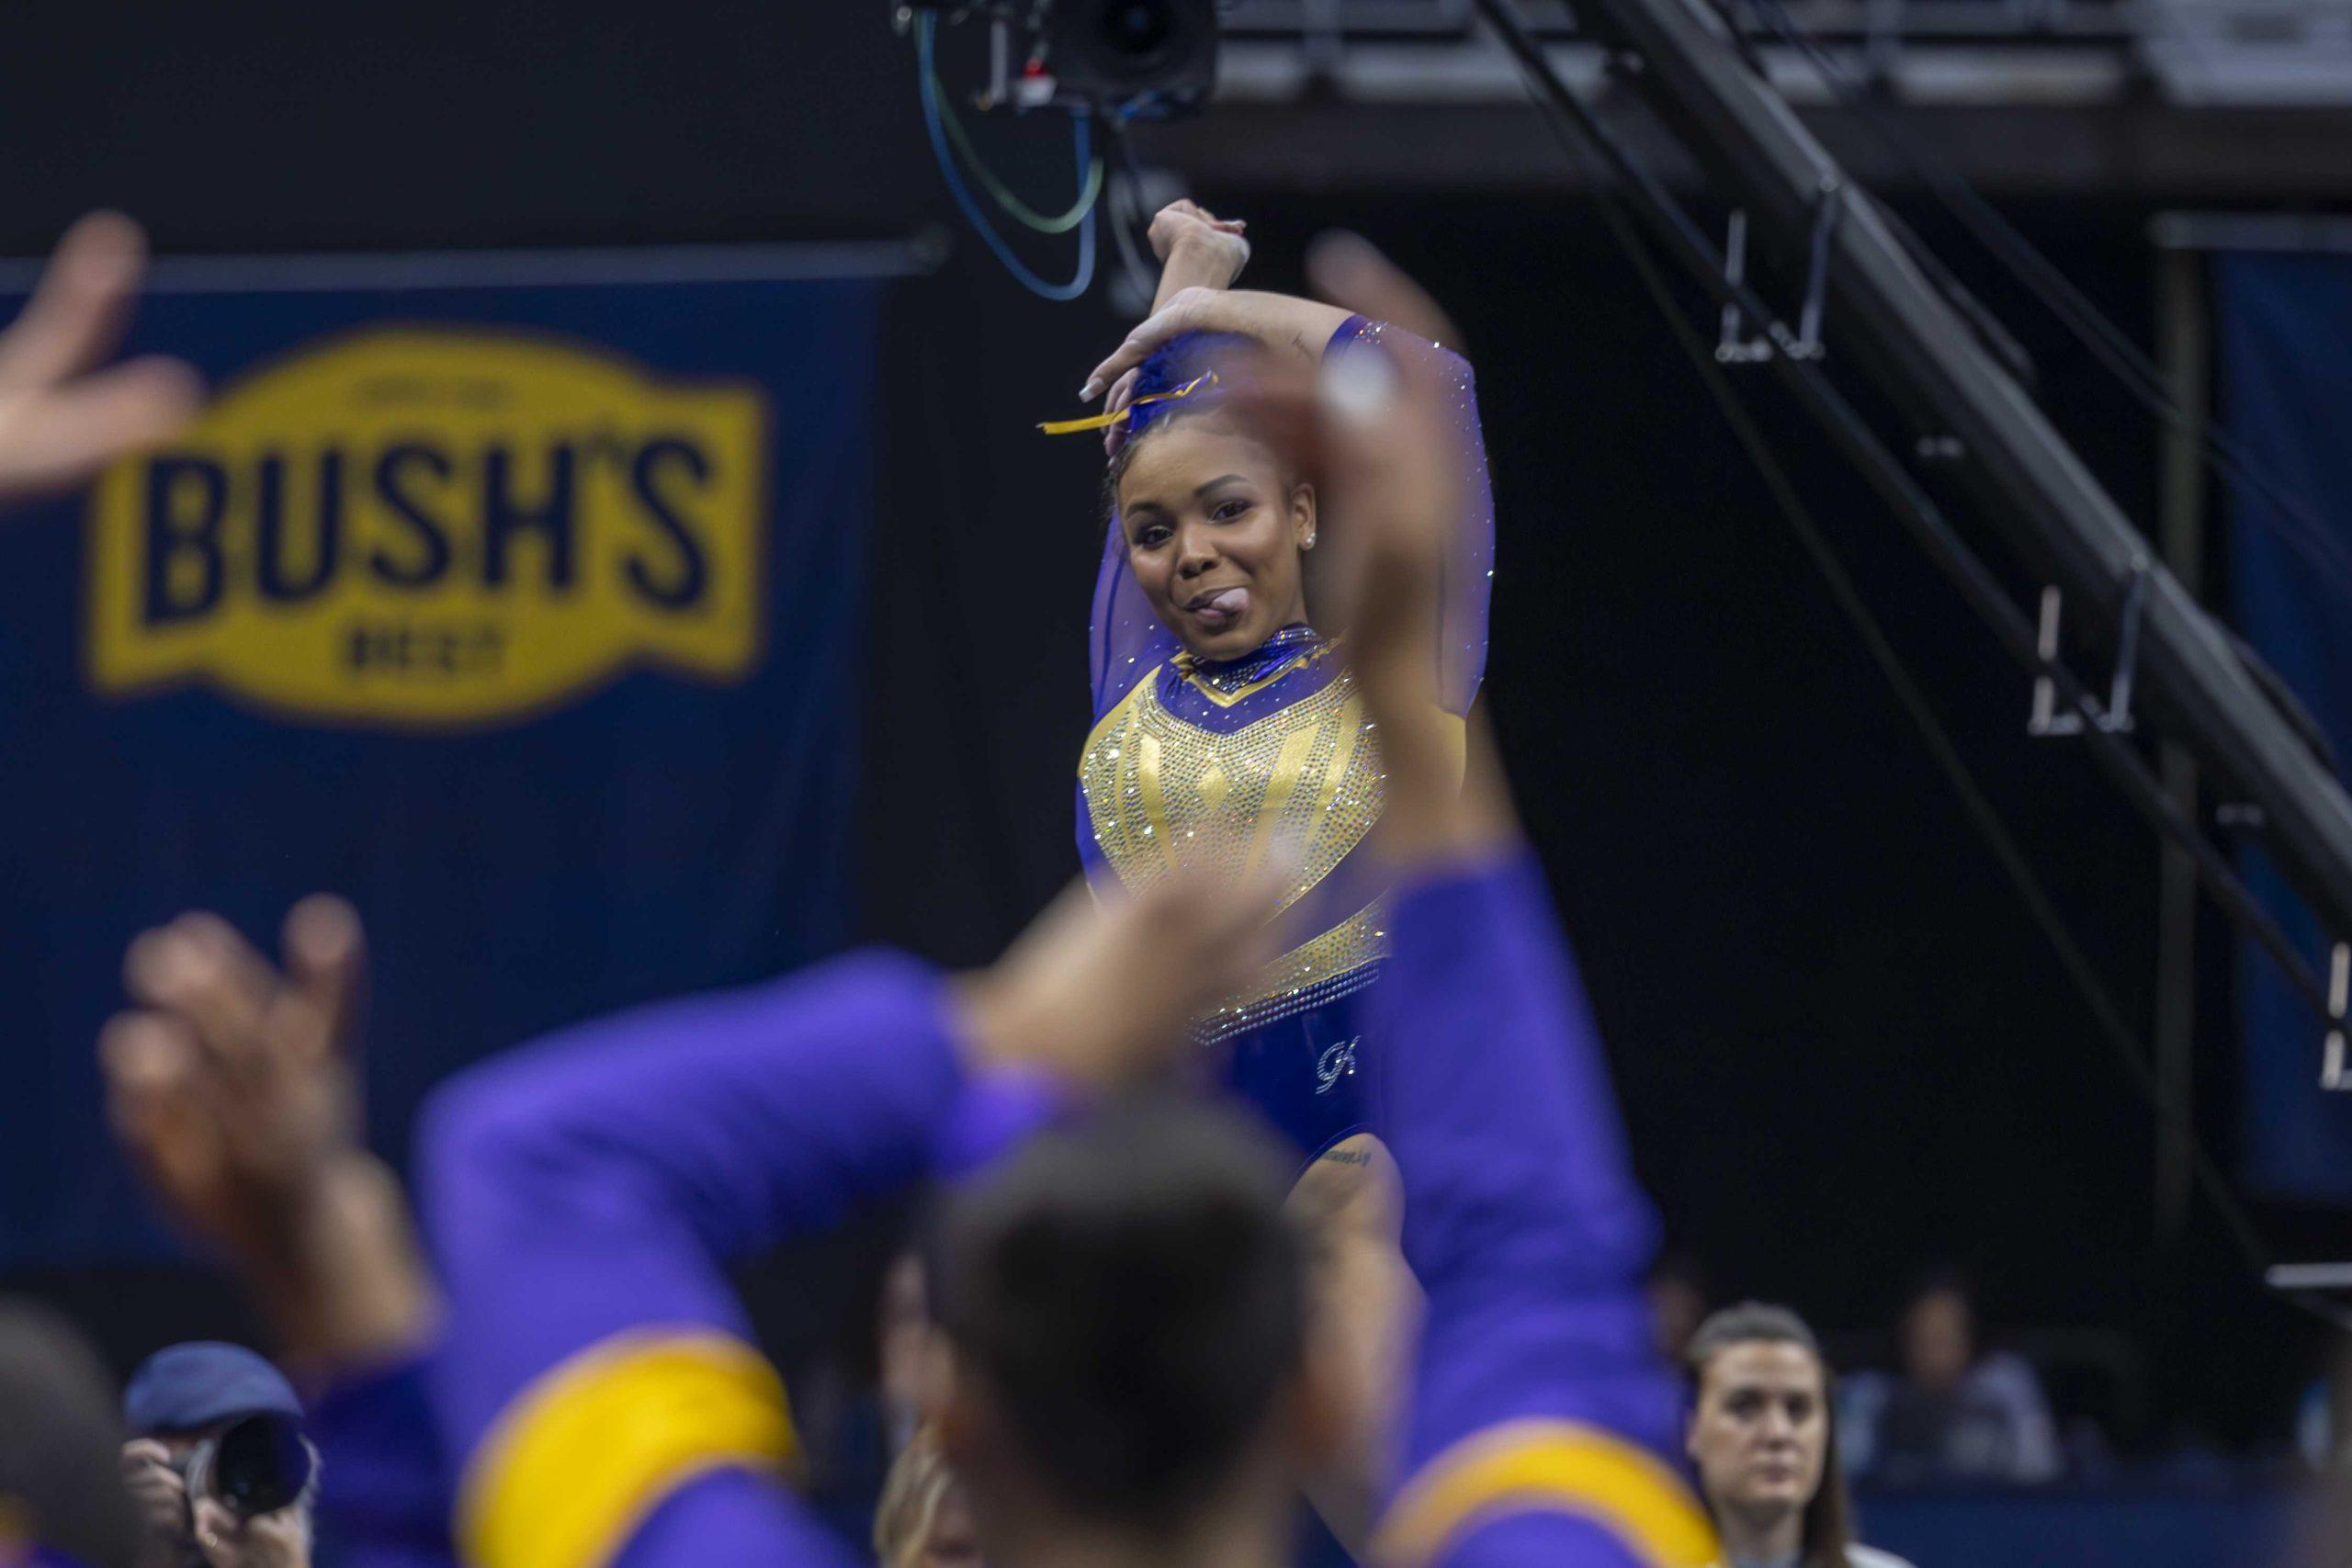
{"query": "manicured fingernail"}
{"type": "Point", "coordinates": [1091, 390]}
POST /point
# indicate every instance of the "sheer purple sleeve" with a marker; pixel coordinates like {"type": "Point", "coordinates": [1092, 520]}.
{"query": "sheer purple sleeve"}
{"type": "Point", "coordinates": [1470, 570]}
{"type": "Point", "coordinates": [1126, 640]}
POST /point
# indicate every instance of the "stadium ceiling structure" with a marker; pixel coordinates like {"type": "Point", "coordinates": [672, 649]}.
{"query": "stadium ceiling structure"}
{"type": "Point", "coordinates": [1849, 286]}
{"type": "Point", "coordinates": [2174, 100]}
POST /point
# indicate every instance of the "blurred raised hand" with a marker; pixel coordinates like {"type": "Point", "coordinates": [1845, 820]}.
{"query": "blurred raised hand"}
{"type": "Point", "coordinates": [61, 418]}
{"type": "Point", "coordinates": [1104, 996]}
{"type": "Point", "coordinates": [234, 1087]}
{"type": "Point", "coordinates": [232, 1083]}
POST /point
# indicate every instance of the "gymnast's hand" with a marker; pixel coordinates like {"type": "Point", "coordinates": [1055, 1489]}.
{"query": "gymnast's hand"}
{"type": "Point", "coordinates": [1197, 249]}
{"type": "Point", "coordinates": [61, 420]}
{"type": "Point", "coordinates": [1211, 248]}
{"type": "Point", "coordinates": [233, 1088]}
{"type": "Point", "coordinates": [1103, 996]}
{"type": "Point", "coordinates": [1291, 326]}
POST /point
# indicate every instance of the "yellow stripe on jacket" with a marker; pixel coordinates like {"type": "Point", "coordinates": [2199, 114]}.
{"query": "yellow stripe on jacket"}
{"type": "Point", "coordinates": [1547, 1466]}
{"type": "Point", "coordinates": [585, 1454]}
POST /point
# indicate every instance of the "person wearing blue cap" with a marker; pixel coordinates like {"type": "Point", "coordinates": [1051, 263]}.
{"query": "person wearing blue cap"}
{"type": "Point", "coordinates": [217, 1460]}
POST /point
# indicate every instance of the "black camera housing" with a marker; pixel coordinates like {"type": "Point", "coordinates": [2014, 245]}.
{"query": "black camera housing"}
{"type": "Point", "coordinates": [1140, 56]}
{"type": "Point", "coordinates": [254, 1466]}
{"type": "Point", "coordinates": [1143, 59]}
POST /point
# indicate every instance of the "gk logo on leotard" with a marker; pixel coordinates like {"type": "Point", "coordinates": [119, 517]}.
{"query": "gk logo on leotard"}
{"type": "Point", "coordinates": [421, 526]}
{"type": "Point", "coordinates": [1336, 1063]}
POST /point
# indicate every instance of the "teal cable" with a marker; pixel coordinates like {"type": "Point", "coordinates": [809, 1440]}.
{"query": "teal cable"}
{"type": "Point", "coordinates": [1019, 210]}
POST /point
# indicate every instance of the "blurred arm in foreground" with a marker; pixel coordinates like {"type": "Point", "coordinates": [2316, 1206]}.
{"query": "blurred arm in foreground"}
{"type": "Point", "coordinates": [584, 1195]}
{"type": "Point", "coordinates": [1540, 1410]}
{"type": "Point", "coordinates": [590, 1371]}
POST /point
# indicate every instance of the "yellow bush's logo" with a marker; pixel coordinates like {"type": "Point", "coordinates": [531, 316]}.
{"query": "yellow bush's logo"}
{"type": "Point", "coordinates": [421, 526]}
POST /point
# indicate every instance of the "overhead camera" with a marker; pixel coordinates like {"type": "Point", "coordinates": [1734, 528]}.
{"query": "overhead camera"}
{"type": "Point", "coordinates": [1115, 50]}
{"type": "Point", "coordinates": [1137, 58]}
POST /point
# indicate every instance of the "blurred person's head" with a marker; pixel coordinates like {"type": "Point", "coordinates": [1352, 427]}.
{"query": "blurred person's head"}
{"type": "Point", "coordinates": [1763, 1437]}
{"type": "Point", "coordinates": [1938, 1333]}
{"type": "Point", "coordinates": [924, 1520]}
{"type": "Point", "coordinates": [1677, 1290]}
{"type": "Point", "coordinates": [1215, 522]}
{"type": "Point", "coordinates": [1123, 1306]}
{"type": "Point", "coordinates": [60, 1484]}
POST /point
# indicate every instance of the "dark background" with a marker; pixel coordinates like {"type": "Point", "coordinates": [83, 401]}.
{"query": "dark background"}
{"type": "Point", "coordinates": [1844, 1051]}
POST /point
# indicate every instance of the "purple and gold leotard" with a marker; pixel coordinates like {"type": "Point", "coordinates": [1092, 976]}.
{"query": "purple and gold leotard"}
{"type": "Point", "coordinates": [1193, 760]}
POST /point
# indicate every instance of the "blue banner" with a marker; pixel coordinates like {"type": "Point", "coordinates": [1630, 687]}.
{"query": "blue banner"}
{"type": "Point", "coordinates": [2287, 400]}
{"type": "Point", "coordinates": [528, 617]}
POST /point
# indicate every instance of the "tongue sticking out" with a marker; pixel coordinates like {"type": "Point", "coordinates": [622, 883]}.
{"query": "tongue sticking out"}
{"type": "Point", "coordinates": [1224, 607]}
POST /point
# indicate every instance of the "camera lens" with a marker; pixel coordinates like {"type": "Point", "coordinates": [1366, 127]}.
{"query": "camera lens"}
{"type": "Point", "coordinates": [1147, 57]}
{"type": "Point", "coordinates": [259, 1465]}
{"type": "Point", "coordinates": [1137, 29]}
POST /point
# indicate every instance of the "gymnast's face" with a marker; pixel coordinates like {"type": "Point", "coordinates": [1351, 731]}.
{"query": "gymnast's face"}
{"type": "Point", "coordinates": [1216, 530]}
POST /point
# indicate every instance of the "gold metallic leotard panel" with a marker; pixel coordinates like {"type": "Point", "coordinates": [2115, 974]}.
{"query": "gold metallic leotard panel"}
{"type": "Point", "coordinates": [1162, 792]}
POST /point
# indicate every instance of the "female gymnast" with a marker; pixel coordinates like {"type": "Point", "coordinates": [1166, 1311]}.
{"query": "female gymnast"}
{"type": "Point", "coordinates": [1226, 731]}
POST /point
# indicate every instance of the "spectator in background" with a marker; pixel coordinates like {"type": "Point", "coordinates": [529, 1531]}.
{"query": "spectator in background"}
{"type": "Point", "coordinates": [61, 1489]}
{"type": "Point", "coordinates": [1679, 1298]}
{"type": "Point", "coordinates": [1762, 1433]}
{"type": "Point", "coordinates": [924, 1520]}
{"type": "Point", "coordinates": [181, 1400]}
{"type": "Point", "coordinates": [1954, 1412]}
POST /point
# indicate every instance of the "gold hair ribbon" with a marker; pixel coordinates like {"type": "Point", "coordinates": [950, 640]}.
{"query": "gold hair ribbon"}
{"type": "Point", "coordinates": [1103, 421]}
